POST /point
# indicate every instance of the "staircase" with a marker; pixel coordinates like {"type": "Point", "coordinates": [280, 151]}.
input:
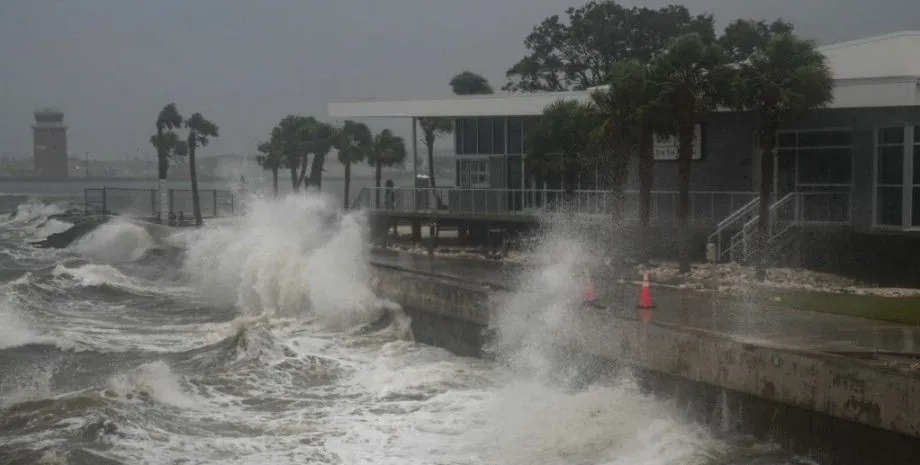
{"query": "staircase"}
{"type": "Point", "coordinates": [743, 226]}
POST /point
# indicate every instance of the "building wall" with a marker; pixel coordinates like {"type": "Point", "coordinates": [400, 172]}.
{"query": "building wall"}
{"type": "Point", "coordinates": [50, 152]}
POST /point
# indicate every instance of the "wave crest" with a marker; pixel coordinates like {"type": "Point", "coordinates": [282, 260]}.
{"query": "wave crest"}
{"type": "Point", "coordinates": [291, 256]}
{"type": "Point", "coordinates": [116, 241]}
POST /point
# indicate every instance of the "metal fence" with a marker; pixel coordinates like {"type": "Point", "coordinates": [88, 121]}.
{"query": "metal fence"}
{"type": "Point", "coordinates": [145, 203]}
{"type": "Point", "coordinates": [705, 207]}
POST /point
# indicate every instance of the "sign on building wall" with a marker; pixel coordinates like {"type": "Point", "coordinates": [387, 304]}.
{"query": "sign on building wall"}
{"type": "Point", "coordinates": [665, 147]}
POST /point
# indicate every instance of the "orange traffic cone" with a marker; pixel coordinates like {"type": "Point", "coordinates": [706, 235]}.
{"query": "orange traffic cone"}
{"type": "Point", "coordinates": [587, 291]}
{"type": "Point", "coordinates": [645, 295]}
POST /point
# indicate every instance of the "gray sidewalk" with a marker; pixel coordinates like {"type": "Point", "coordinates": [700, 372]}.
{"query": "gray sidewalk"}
{"type": "Point", "coordinates": [744, 321]}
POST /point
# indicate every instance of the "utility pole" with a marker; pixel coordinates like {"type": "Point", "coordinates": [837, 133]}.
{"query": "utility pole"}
{"type": "Point", "coordinates": [86, 165]}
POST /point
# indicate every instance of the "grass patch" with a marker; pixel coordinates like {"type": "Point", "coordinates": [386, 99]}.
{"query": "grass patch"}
{"type": "Point", "coordinates": [904, 310]}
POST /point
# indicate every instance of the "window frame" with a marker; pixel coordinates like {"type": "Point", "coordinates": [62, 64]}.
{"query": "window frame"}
{"type": "Point", "coordinates": [474, 172]}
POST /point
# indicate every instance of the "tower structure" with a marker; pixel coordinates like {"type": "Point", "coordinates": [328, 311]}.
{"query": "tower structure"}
{"type": "Point", "coordinates": [49, 144]}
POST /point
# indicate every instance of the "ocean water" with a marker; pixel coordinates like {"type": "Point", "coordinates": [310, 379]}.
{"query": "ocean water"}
{"type": "Point", "coordinates": [247, 342]}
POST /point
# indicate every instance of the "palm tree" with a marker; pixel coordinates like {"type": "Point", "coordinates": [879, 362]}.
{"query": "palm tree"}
{"type": "Point", "coordinates": [563, 139]}
{"type": "Point", "coordinates": [354, 142]}
{"type": "Point", "coordinates": [781, 78]}
{"type": "Point", "coordinates": [388, 150]}
{"type": "Point", "coordinates": [200, 130]}
{"type": "Point", "coordinates": [168, 119]}
{"type": "Point", "coordinates": [270, 159]}
{"type": "Point", "coordinates": [322, 140]}
{"type": "Point", "coordinates": [695, 78]}
{"type": "Point", "coordinates": [432, 129]}
{"type": "Point", "coordinates": [632, 118]}
{"type": "Point", "coordinates": [470, 83]}
{"type": "Point", "coordinates": [289, 137]}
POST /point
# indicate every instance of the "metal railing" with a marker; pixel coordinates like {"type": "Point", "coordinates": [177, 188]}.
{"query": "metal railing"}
{"type": "Point", "coordinates": [786, 214]}
{"type": "Point", "coordinates": [705, 207]}
{"type": "Point", "coordinates": [144, 203]}
{"type": "Point", "coordinates": [736, 220]}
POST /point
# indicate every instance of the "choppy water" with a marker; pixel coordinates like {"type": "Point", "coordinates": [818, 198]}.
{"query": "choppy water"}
{"type": "Point", "coordinates": [242, 343]}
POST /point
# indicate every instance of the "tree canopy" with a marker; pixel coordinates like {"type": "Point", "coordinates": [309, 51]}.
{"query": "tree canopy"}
{"type": "Point", "coordinates": [469, 83]}
{"type": "Point", "coordinates": [563, 139]}
{"type": "Point", "coordinates": [354, 142]}
{"type": "Point", "coordinates": [200, 130]}
{"type": "Point", "coordinates": [581, 52]}
{"type": "Point", "coordinates": [388, 149]}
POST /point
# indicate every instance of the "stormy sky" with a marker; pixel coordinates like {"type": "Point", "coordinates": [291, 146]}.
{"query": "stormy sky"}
{"type": "Point", "coordinates": [111, 64]}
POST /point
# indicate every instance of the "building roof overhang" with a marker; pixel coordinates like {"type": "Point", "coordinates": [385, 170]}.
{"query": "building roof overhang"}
{"type": "Point", "coordinates": [880, 71]}
{"type": "Point", "coordinates": [848, 93]}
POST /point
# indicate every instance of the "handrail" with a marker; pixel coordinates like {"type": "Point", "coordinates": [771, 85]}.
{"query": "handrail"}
{"type": "Point", "coordinates": [742, 237]}
{"type": "Point", "coordinates": [738, 213]}
{"type": "Point", "coordinates": [716, 237]}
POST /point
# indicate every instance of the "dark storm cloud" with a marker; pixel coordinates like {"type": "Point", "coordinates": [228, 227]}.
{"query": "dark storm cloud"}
{"type": "Point", "coordinates": [110, 64]}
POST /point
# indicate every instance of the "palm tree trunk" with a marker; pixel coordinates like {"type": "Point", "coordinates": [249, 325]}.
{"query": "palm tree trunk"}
{"type": "Point", "coordinates": [347, 183]}
{"type": "Point", "coordinates": [294, 184]}
{"type": "Point", "coordinates": [275, 182]}
{"type": "Point", "coordinates": [303, 173]}
{"type": "Point", "coordinates": [685, 157]}
{"type": "Point", "coordinates": [378, 173]}
{"type": "Point", "coordinates": [192, 172]}
{"type": "Point", "coordinates": [646, 177]}
{"type": "Point", "coordinates": [163, 162]}
{"type": "Point", "coordinates": [429, 143]}
{"type": "Point", "coordinates": [316, 171]}
{"type": "Point", "coordinates": [766, 200]}
{"type": "Point", "coordinates": [646, 181]}
{"type": "Point", "coordinates": [431, 164]}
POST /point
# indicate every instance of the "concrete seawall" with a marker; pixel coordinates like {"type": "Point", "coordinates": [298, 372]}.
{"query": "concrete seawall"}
{"type": "Point", "coordinates": [836, 409]}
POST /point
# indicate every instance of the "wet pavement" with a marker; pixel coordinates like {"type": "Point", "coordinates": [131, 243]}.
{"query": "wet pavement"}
{"type": "Point", "coordinates": [744, 321]}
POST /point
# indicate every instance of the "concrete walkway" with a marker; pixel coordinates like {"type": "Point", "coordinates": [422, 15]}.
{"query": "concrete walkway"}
{"type": "Point", "coordinates": [750, 322]}
{"type": "Point", "coordinates": [744, 321]}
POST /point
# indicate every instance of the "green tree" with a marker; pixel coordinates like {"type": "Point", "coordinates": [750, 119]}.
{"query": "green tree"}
{"type": "Point", "coordinates": [470, 83]}
{"type": "Point", "coordinates": [780, 77]}
{"type": "Point", "coordinates": [432, 129]}
{"type": "Point", "coordinates": [744, 37]}
{"type": "Point", "coordinates": [168, 119]}
{"type": "Point", "coordinates": [631, 116]}
{"type": "Point", "coordinates": [320, 143]}
{"type": "Point", "coordinates": [695, 79]}
{"type": "Point", "coordinates": [290, 139]}
{"type": "Point", "coordinates": [580, 53]}
{"type": "Point", "coordinates": [271, 159]}
{"type": "Point", "coordinates": [563, 140]}
{"type": "Point", "coordinates": [388, 150]}
{"type": "Point", "coordinates": [354, 142]}
{"type": "Point", "coordinates": [200, 132]}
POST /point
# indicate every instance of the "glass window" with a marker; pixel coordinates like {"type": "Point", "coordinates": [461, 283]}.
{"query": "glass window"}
{"type": "Point", "coordinates": [515, 135]}
{"type": "Point", "coordinates": [891, 136]}
{"type": "Point", "coordinates": [475, 173]}
{"type": "Point", "coordinates": [529, 124]}
{"type": "Point", "coordinates": [786, 139]}
{"type": "Point", "coordinates": [890, 165]}
{"type": "Point", "coordinates": [825, 139]}
{"type": "Point", "coordinates": [469, 136]}
{"type": "Point", "coordinates": [915, 207]}
{"type": "Point", "coordinates": [824, 166]}
{"type": "Point", "coordinates": [889, 206]}
{"type": "Point", "coordinates": [514, 172]}
{"type": "Point", "coordinates": [498, 139]}
{"type": "Point", "coordinates": [458, 138]}
{"type": "Point", "coordinates": [917, 134]}
{"type": "Point", "coordinates": [485, 136]}
{"type": "Point", "coordinates": [916, 180]}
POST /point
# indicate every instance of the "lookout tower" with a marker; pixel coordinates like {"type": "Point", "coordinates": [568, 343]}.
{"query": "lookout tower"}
{"type": "Point", "coordinates": [49, 146]}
